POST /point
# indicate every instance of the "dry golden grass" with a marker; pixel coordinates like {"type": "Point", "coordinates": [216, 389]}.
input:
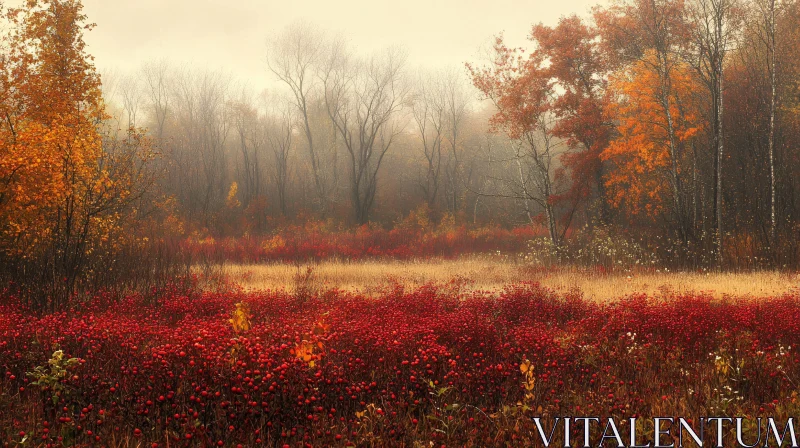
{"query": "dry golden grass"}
{"type": "Point", "coordinates": [753, 284]}
{"type": "Point", "coordinates": [493, 275]}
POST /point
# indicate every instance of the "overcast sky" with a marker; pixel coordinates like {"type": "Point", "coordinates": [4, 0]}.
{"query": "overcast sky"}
{"type": "Point", "coordinates": [231, 34]}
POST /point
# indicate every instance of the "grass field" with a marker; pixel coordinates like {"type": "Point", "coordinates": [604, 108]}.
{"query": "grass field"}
{"type": "Point", "coordinates": [487, 274]}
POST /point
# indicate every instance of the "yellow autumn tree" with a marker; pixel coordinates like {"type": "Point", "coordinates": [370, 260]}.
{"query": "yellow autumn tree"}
{"type": "Point", "coordinates": [63, 187]}
{"type": "Point", "coordinates": [50, 101]}
{"type": "Point", "coordinates": [657, 111]}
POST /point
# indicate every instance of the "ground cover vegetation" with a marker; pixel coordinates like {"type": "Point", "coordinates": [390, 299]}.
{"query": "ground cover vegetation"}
{"type": "Point", "coordinates": [400, 368]}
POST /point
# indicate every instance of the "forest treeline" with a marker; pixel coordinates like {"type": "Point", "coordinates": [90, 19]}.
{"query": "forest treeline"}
{"type": "Point", "coordinates": [674, 124]}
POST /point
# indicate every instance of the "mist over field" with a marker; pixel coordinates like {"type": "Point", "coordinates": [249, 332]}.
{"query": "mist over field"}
{"type": "Point", "coordinates": [232, 36]}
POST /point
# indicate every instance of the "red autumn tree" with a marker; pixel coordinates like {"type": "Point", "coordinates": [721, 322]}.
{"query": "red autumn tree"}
{"type": "Point", "coordinates": [575, 63]}
{"type": "Point", "coordinates": [521, 89]}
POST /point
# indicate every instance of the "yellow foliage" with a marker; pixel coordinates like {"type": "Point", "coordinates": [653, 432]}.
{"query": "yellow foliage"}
{"type": "Point", "coordinates": [240, 317]}
{"type": "Point", "coordinates": [526, 368]}
{"type": "Point", "coordinates": [447, 223]}
{"type": "Point", "coordinates": [305, 352]}
{"type": "Point", "coordinates": [232, 201]}
{"type": "Point", "coordinates": [67, 192]}
{"type": "Point", "coordinates": [276, 242]}
{"type": "Point", "coordinates": [417, 219]}
{"type": "Point", "coordinates": [50, 101]}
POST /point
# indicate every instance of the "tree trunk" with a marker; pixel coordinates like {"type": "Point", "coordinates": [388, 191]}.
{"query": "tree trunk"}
{"type": "Point", "coordinates": [773, 228]}
{"type": "Point", "coordinates": [720, 148]}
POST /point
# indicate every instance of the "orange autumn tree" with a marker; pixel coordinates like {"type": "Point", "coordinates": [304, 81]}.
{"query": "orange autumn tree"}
{"type": "Point", "coordinates": [64, 188]}
{"type": "Point", "coordinates": [657, 111]}
{"type": "Point", "coordinates": [50, 101]}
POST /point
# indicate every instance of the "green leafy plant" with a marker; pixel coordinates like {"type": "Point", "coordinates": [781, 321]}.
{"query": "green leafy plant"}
{"type": "Point", "coordinates": [49, 377]}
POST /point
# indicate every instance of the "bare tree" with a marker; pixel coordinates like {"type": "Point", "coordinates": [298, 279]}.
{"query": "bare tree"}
{"type": "Point", "coordinates": [456, 103]}
{"type": "Point", "coordinates": [715, 26]}
{"type": "Point", "coordinates": [111, 88]}
{"type": "Point", "coordinates": [362, 99]}
{"type": "Point", "coordinates": [767, 8]}
{"type": "Point", "coordinates": [528, 175]}
{"type": "Point", "coordinates": [293, 57]}
{"type": "Point", "coordinates": [280, 131]}
{"type": "Point", "coordinates": [428, 110]}
{"type": "Point", "coordinates": [246, 123]}
{"type": "Point", "coordinates": [155, 77]}
{"type": "Point", "coordinates": [132, 97]}
{"type": "Point", "coordinates": [201, 109]}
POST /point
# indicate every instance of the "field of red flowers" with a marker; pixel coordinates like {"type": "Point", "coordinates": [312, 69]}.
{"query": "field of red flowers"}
{"type": "Point", "coordinates": [424, 367]}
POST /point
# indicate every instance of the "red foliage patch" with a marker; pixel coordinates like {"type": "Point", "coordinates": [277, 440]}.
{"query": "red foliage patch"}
{"type": "Point", "coordinates": [410, 365]}
{"type": "Point", "coordinates": [314, 243]}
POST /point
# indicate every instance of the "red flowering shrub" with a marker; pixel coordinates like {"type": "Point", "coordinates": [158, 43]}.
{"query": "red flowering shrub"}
{"type": "Point", "coordinates": [316, 242]}
{"type": "Point", "coordinates": [265, 369]}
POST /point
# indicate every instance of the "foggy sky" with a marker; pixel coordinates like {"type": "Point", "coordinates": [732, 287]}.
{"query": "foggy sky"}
{"type": "Point", "coordinates": [231, 34]}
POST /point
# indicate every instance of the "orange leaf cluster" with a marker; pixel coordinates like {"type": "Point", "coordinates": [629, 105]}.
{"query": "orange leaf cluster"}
{"type": "Point", "coordinates": [641, 153]}
{"type": "Point", "coordinates": [309, 350]}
